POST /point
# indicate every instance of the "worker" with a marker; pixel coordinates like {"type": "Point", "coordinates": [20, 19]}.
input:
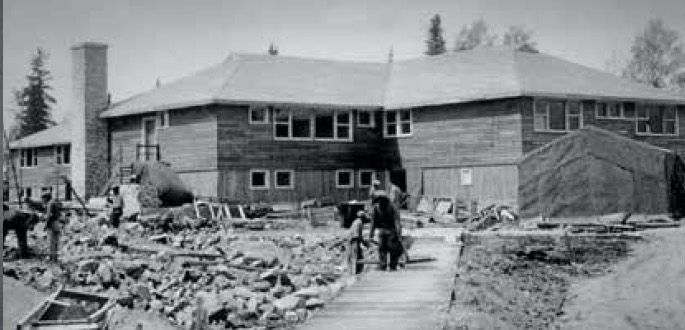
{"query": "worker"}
{"type": "Point", "coordinates": [386, 220]}
{"type": "Point", "coordinates": [116, 205]}
{"type": "Point", "coordinates": [395, 194]}
{"type": "Point", "coordinates": [375, 186]}
{"type": "Point", "coordinates": [21, 222]}
{"type": "Point", "coordinates": [356, 240]}
{"type": "Point", "coordinates": [53, 224]}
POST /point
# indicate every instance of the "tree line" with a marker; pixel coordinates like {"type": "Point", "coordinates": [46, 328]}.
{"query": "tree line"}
{"type": "Point", "coordinates": [656, 57]}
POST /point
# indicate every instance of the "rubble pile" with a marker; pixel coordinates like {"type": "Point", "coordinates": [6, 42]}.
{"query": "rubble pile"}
{"type": "Point", "coordinates": [524, 284]}
{"type": "Point", "coordinates": [242, 280]}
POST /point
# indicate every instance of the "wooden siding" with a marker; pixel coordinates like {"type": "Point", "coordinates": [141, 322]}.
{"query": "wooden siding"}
{"type": "Point", "coordinates": [489, 184]}
{"type": "Point", "coordinates": [532, 139]}
{"type": "Point", "coordinates": [46, 174]}
{"type": "Point", "coordinates": [243, 146]}
{"type": "Point", "coordinates": [462, 135]}
{"type": "Point", "coordinates": [309, 183]}
{"type": "Point", "coordinates": [188, 144]}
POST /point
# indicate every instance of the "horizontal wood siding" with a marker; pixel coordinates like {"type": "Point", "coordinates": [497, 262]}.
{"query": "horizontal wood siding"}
{"type": "Point", "coordinates": [235, 184]}
{"type": "Point", "coordinates": [243, 146]}
{"type": "Point", "coordinates": [460, 134]}
{"type": "Point", "coordinates": [445, 138]}
{"type": "Point", "coordinates": [46, 174]}
{"type": "Point", "coordinates": [490, 184]}
{"type": "Point", "coordinates": [532, 139]}
{"type": "Point", "coordinates": [188, 144]}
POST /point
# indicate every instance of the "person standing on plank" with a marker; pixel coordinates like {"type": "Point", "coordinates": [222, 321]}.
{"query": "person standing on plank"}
{"type": "Point", "coordinates": [53, 214]}
{"type": "Point", "coordinates": [385, 219]}
{"type": "Point", "coordinates": [116, 204]}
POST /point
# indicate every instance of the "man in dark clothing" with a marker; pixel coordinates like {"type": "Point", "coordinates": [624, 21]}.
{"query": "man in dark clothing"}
{"type": "Point", "coordinates": [116, 203]}
{"type": "Point", "coordinates": [386, 220]}
{"type": "Point", "coordinates": [54, 223]}
{"type": "Point", "coordinates": [21, 222]}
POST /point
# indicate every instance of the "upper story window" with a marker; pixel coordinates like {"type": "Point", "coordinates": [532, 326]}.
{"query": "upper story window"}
{"type": "Point", "coordinates": [259, 115]}
{"type": "Point", "coordinates": [28, 157]}
{"type": "Point", "coordinates": [333, 125]}
{"type": "Point", "coordinates": [657, 120]}
{"type": "Point", "coordinates": [63, 154]}
{"type": "Point", "coordinates": [557, 115]}
{"type": "Point", "coordinates": [163, 119]}
{"type": "Point", "coordinates": [397, 123]}
{"type": "Point", "coordinates": [365, 119]}
{"type": "Point", "coordinates": [615, 110]}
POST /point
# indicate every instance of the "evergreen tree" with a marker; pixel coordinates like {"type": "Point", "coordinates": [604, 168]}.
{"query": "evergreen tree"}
{"type": "Point", "coordinates": [272, 49]}
{"type": "Point", "coordinates": [435, 44]}
{"type": "Point", "coordinates": [33, 100]}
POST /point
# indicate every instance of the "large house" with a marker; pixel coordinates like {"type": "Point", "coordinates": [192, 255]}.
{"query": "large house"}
{"type": "Point", "coordinates": [279, 128]}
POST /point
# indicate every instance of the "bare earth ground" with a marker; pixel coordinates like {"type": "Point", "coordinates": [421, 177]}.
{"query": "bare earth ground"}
{"type": "Point", "coordinates": [17, 300]}
{"type": "Point", "coordinates": [646, 291]}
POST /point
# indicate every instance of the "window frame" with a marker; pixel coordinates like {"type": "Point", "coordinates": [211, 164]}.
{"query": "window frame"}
{"type": "Point", "coordinates": [60, 155]}
{"type": "Point", "coordinates": [312, 126]}
{"type": "Point", "coordinates": [24, 191]}
{"type": "Point", "coordinates": [266, 179]}
{"type": "Point", "coordinates": [337, 177]}
{"type": "Point", "coordinates": [565, 103]}
{"type": "Point", "coordinates": [398, 124]}
{"type": "Point", "coordinates": [372, 119]}
{"type": "Point", "coordinates": [23, 161]}
{"type": "Point", "coordinates": [162, 119]}
{"type": "Point", "coordinates": [252, 108]}
{"type": "Point", "coordinates": [359, 178]}
{"type": "Point", "coordinates": [638, 119]}
{"type": "Point", "coordinates": [622, 110]}
{"type": "Point", "coordinates": [292, 179]}
{"type": "Point", "coordinates": [464, 171]}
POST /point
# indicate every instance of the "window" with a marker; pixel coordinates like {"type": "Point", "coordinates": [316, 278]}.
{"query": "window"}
{"type": "Point", "coordinates": [284, 179]}
{"type": "Point", "coordinates": [557, 115]}
{"type": "Point", "coordinates": [365, 178]}
{"type": "Point", "coordinates": [63, 154]}
{"type": "Point", "coordinates": [343, 178]}
{"type": "Point", "coordinates": [313, 125]}
{"type": "Point", "coordinates": [28, 157]}
{"type": "Point", "coordinates": [615, 110]}
{"type": "Point", "coordinates": [163, 119]}
{"type": "Point", "coordinates": [26, 192]}
{"type": "Point", "coordinates": [659, 120]}
{"type": "Point", "coordinates": [466, 176]}
{"type": "Point", "coordinates": [259, 115]}
{"type": "Point", "coordinates": [365, 119]}
{"type": "Point", "coordinates": [398, 123]}
{"type": "Point", "coordinates": [259, 179]}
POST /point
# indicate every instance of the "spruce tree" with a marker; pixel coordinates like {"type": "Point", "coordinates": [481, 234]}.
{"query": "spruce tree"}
{"type": "Point", "coordinates": [34, 100]}
{"type": "Point", "coordinates": [435, 44]}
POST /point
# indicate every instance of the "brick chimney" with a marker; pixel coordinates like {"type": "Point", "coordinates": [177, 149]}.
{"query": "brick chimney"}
{"type": "Point", "coordinates": [89, 132]}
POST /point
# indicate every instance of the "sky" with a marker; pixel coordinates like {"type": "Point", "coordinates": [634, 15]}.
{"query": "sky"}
{"type": "Point", "coordinates": [168, 39]}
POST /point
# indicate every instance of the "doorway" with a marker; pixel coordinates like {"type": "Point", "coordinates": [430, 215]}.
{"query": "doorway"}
{"type": "Point", "coordinates": [149, 138]}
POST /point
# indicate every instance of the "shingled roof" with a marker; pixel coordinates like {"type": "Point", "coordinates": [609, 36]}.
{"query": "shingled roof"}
{"type": "Point", "coordinates": [498, 72]}
{"type": "Point", "coordinates": [485, 73]}
{"type": "Point", "coordinates": [55, 135]}
{"type": "Point", "coordinates": [247, 78]}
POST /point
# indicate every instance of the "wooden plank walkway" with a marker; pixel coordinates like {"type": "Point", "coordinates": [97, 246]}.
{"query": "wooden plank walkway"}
{"type": "Point", "coordinates": [406, 299]}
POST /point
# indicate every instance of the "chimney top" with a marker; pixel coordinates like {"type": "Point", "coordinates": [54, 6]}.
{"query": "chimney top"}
{"type": "Point", "coordinates": [89, 44]}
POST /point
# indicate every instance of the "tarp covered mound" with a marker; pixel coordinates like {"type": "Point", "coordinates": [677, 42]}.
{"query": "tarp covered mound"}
{"type": "Point", "coordinates": [594, 171]}
{"type": "Point", "coordinates": [170, 189]}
